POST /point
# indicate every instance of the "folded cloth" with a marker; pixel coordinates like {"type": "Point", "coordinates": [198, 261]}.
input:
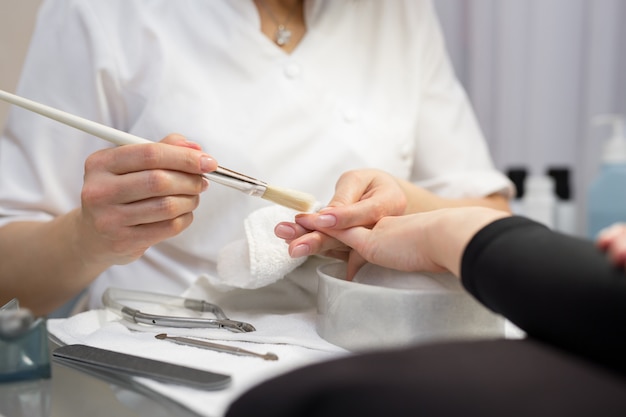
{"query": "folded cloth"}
{"type": "Point", "coordinates": [288, 332]}
{"type": "Point", "coordinates": [260, 259]}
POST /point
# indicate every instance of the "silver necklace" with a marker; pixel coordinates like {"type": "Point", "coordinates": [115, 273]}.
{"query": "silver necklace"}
{"type": "Point", "coordinates": [282, 36]}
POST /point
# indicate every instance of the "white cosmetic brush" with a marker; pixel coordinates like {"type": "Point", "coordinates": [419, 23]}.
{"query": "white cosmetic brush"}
{"type": "Point", "coordinates": [289, 198]}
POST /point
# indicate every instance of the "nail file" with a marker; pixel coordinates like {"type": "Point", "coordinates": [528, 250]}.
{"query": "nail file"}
{"type": "Point", "coordinates": [136, 366]}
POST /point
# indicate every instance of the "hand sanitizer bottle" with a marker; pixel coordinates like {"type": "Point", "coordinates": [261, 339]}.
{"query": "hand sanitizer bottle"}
{"type": "Point", "coordinates": [606, 203]}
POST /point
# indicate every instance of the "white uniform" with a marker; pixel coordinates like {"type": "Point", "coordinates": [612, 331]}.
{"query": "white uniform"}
{"type": "Point", "coordinates": [369, 86]}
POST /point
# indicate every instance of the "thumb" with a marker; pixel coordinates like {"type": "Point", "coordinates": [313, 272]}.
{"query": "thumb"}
{"type": "Point", "coordinates": [355, 262]}
{"type": "Point", "coordinates": [355, 237]}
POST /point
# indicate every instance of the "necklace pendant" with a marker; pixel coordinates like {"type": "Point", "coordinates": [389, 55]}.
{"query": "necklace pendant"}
{"type": "Point", "coordinates": [282, 36]}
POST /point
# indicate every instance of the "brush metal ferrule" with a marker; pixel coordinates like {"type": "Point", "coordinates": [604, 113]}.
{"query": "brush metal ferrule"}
{"type": "Point", "coordinates": [238, 181]}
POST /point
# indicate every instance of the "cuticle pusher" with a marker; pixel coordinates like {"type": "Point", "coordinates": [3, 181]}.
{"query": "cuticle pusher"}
{"type": "Point", "coordinates": [186, 341]}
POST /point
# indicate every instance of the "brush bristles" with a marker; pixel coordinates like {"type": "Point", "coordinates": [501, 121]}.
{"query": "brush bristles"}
{"type": "Point", "coordinates": [296, 200]}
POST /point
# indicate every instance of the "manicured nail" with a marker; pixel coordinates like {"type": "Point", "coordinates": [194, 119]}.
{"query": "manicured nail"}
{"type": "Point", "coordinates": [206, 163]}
{"type": "Point", "coordinates": [284, 232]}
{"type": "Point", "coordinates": [326, 220]}
{"type": "Point", "coordinates": [300, 251]}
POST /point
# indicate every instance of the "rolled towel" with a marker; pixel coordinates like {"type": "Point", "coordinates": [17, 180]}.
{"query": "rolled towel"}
{"type": "Point", "coordinates": [260, 259]}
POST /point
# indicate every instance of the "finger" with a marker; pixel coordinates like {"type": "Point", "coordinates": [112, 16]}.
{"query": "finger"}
{"type": "Point", "coordinates": [314, 243]}
{"type": "Point", "coordinates": [316, 221]}
{"type": "Point", "coordinates": [609, 234]}
{"type": "Point", "coordinates": [157, 231]}
{"type": "Point", "coordinates": [141, 157]}
{"type": "Point", "coordinates": [289, 230]}
{"type": "Point", "coordinates": [155, 210]}
{"type": "Point", "coordinates": [356, 238]}
{"type": "Point", "coordinates": [160, 183]}
{"type": "Point", "coordinates": [366, 212]}
{"type": "Point", "coordinates": [130, 242]}
{"type": "Point", "coordinates": [616, 251]}
{"type": "Point", "coordinates": [137, 186]}
{"type": "Point", "coordinates": [113, 218]}
{"type": "Point", "coordinates": [177, 139]}
{"type": "Point", "coordinates": [350, 188]}
{"type": "Point", "coordinates": [339, 254]}
{"type": "Point", "coordinates": [355, 262]}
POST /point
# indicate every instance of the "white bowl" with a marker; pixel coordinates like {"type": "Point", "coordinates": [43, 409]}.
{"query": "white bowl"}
{"type": "Point", "coordinates": [385, 308]}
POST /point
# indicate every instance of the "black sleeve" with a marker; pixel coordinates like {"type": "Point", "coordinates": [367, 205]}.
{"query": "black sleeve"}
{"type": "Point", "coordinates": [557, 288]}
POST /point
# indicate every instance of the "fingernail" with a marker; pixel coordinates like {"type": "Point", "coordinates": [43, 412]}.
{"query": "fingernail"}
{"type": "Point", "coordinates": [205, 184]}
{"type": "Point", "coordinates": [284, 232]}
{"type": "Point", "coordinates": [326, 220]}
{"type": "Point", "coordinates": [300, 251]}
{"type": "Point", "coordinates": [206, 163]}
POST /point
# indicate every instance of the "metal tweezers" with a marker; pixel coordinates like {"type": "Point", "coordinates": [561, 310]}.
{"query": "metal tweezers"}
{"type": "Point", "coordinates": [111, 297]}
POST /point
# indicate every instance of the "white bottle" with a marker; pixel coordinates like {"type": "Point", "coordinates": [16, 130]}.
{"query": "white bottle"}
{"type": "Point", "coordinates": [606, 200]}
{"type": "Point", "coordinates": [565, 212]}
{"type": "Point", "coordinates": [539, 201]}
{"type": "Point", "coordinates": [517, 175]}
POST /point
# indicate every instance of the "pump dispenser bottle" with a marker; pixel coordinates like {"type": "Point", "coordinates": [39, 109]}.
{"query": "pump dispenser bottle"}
{"type": "Point", "coordinates": [606, 202]}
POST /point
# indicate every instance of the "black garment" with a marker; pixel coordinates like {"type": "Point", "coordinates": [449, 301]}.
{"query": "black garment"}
{"type": "Point", "coordinates": [560, 290]}
{"type": "Point", "coordinates": [503, 378]}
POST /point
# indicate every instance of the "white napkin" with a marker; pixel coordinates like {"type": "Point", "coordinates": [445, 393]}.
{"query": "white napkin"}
{"type": "Point", "coordinates": [260, 259]}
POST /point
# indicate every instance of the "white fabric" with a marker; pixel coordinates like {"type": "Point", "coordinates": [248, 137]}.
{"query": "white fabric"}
{"type": "Point", "coordinates": [370, 85]}
{"type": "Point", "coordinates": [261, 258]}
{"type": "Point", "coordinates": [290, 334]}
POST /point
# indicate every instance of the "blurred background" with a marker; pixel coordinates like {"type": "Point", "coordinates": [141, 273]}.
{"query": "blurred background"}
{"type": "Point", "coordinates": [17, 18]}
{"type": "Point", "coordinates": [536, 71]}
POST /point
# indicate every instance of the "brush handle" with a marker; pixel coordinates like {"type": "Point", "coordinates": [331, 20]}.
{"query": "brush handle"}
{"type": "Point", "coordinates": [222, 175]}
{"type": "Point", "coordinates": [107, 133]}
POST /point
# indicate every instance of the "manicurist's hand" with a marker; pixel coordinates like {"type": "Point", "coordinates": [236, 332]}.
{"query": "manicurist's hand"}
{"type": "Point", "coordinates": [135, 196]}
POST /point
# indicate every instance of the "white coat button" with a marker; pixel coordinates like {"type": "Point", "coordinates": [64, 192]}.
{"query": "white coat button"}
{"type": "Point", "coordinates": [350, 115]}
{"type": "Point", "coordinates": [406, 152]}
{"type": "Point", "coordinates": [292, 71]}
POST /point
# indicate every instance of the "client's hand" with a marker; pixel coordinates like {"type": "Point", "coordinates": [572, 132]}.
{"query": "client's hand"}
{"type": "Point", "coordinates": [432, 241]}
{"type": "Point", "coordinates": [612, 240]}
{"type": "Point", "coordinates": [361, 199]}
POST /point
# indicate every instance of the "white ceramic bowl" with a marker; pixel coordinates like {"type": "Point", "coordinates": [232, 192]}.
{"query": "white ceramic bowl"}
{"type": "Point", "coordinates": [384, 308]}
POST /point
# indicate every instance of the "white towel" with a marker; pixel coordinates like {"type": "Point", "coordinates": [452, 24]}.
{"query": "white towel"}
{"type": "Point", "coordinates": [288, 332]}
{"type": "Point", "coordinates": [102, 329]}
{"type": "Point", "coordinates": [259, 260]}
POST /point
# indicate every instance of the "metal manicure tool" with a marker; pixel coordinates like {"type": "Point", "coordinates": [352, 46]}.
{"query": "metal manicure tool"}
{"type": "Point", "coordinates": [112, 296]}
{"type": "Point", "coordinates": [216, 347]}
